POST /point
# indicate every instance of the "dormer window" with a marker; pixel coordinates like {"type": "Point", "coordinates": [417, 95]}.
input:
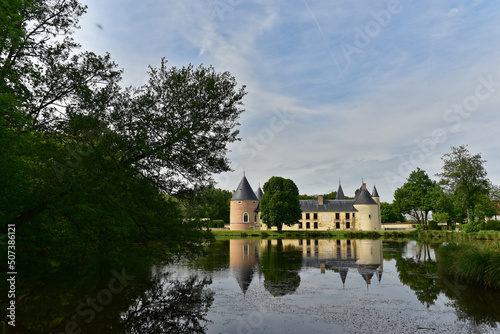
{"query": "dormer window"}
{"type": "Point", "coordinates": [239, 202]}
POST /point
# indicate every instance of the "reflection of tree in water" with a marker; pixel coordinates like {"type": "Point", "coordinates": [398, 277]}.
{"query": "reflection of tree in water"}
{"type": "Point", "coordinates": [170, 306]}
{"type": "Point", "coordinates": [281, 266]}
{"type": "Point", "coordinates": [419, 273]}
{"type": "Point", "coordinates": [473, 302]}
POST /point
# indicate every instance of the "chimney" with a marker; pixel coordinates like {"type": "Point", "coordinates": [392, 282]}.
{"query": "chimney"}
{"type": "Point", "coordinates": [364, 186]}
{"type": "Point", "coordinates": [320, 199]}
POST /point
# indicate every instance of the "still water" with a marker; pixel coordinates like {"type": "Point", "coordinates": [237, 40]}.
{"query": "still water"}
{"type": "Point", "coordinates": [336, 286]}
{"type": "Point", "coordinates": [262, 286]}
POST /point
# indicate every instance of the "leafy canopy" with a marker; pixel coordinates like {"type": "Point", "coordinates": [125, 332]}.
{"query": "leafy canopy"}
{"type": "Point", "coordinates": [280, 203]}
{"type": "Point", "coordinates": [84, 163]}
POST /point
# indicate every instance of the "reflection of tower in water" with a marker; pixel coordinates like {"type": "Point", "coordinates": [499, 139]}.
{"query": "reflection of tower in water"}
{"type": "Point", "coordinates": [370, 259]}
{"type": "Point", "coordinates": [243, 260]}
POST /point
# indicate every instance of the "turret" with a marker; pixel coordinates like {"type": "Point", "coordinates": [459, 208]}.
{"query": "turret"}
{"type": "Point", "coordinates": [368, 210]}
{"type": "Point", "coordinates": [244, 205]}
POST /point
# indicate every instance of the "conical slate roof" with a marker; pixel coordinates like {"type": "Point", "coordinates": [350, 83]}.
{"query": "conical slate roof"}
{"type": "Point", "coordinates": [259, 193]}
{"type": "Point", "coordinates": [375, 192]}
{"type": "Point", "coordinates": [244, 192]}
{"type": "Point", "coordinates": [340, 193]}
{"type": "Point", "coordinates": [358, 193]}
{"type": "Point", "coordinates": [364, 197]}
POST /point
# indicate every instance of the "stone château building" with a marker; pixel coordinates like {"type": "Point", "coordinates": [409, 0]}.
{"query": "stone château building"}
{"type": "Point", "coordinates": [360, 214]}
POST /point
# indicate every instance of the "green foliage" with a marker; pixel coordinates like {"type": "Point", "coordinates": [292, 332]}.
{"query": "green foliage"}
{"type": "Point", "coordinates": [389, 213]}
{"type": "Point", "coordinates": [471, 227]}
{"type": "Point", "coordinates": [280, 204]}
{"type": "Point", "coordinates": [464, 179]}
{"type": "Point", "coordinates": [475, 263]}
{"type": "Point", "coordinates": [217, 223]}
{"type": "Point", "coordinates": [416, 197]}
{"type": "Point", "coordinates": [205, 202]}
{"type": "Point", "coordinates": [85, 165]}
{"type": "Point", "coordinates": [491, 225]}
{"type": "Point", "coordinates": [433, 225]}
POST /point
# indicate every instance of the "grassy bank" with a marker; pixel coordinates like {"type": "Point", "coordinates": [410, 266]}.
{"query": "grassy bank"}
{"type": "Point", "coordinates": [419, 235]}
{"type": "Point", "coordinates": [473, 262]}
{"type": "Point", "coordinates": [227, 234]}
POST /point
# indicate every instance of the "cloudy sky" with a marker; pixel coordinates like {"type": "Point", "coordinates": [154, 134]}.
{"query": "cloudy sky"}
{"type": "Point", "coordinates": [341, 89]}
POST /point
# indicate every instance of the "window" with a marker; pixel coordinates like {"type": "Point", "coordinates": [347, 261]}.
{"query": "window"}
{"type": "Point", "coordinates": [316, 216]}
{"type": "Point", "coordinates": [354, 215]}
{"type": "Point", "coordinates": [370, 216]}
{"type": "Point", "coordinates": [348, 242]}
{"type": "Point", "coordinates": [316, 242]}
{"type": "Point", "coordinates": [315, 225]}
{"type": "Point", "coordinates": [308, 216]}
{"type": "Point", "coordinates": [239, 202]}
{"type": "Point", "coordinates": [347, 215]}
{"type": "Point", "coordinates": [308, 225]}
{"type": "Point", "coordinates": [255, 217]}
{"type": "Point", "coordinates": [308, 242]}
{"type": "Point", "coordinates": [337, 215]}
{"type": "Point", "coordinates": [300, 224]}
{"type": "Point", "coordinates": [347, 225]}
{"type": "Point", "coordinates": [337, 225]}
{"type": "Point", "coordinates": [300, 242]}
{"type": "Point", "coordinates": [245, 217]}
{"type": "Point", "coordinates": [338, 242]}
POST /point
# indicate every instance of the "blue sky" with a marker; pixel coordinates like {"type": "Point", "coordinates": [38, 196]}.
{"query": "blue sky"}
{"type": "Point", "coordinates": [336, 89]}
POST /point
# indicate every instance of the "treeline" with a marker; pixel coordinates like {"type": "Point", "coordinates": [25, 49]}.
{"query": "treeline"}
{"type": "Point", "coordinates": [462, 194]}
{"type": "Point", "coordinates": [89, 169]}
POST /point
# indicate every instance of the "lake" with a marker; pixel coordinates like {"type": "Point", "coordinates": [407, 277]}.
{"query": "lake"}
{"type": "Point", "coordinates": [266, 286]}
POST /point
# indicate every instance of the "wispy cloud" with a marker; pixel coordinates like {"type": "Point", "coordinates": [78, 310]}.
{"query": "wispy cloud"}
{"type": "Point", "coordinates": [353, 113]}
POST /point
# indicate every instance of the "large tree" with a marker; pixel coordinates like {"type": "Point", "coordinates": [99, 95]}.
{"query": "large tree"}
{"type": "Point", "coordinates": [416, 197]}
{"type": "Point", "coordinates": [280, 203]}
{"type": "Point", "coordinates": [84, 163]}
{"type": "Point", "coordinates": [389, 214]}
{"type": "Point", "coordinates": [464, 178]}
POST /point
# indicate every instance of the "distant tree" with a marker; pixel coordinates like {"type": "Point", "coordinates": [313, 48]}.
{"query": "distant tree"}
{"type": "Point", "coordinates": [389, 214]}
{"type": "Point", "coordinates": [206, 202]}
{"type": "Point", "coordinates": [464, 178]}
{"type": "Point", "coordinates": [416, 197]}
{"type": "Point", "coordinates": [445, 211]}
{"type": "Point", "coordinates": [280, 203]}
{"type": "Point", "coordinates": [307, 197]}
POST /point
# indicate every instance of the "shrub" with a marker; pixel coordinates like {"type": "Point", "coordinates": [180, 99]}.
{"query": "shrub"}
{"type": "Point", "coordinates": [434, 226]}
{"type": "Point", "coordinates": [217, 223]}
{"type": "Point", "coordinates": [471, 227]}
{"type": "Point", "coordinates": [492, 225]}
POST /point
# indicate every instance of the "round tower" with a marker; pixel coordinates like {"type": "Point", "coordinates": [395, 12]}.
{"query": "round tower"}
{"type": "Point", "coordinates": [368, 211]}
{"type": "Point", "coordinates": [244, 208]}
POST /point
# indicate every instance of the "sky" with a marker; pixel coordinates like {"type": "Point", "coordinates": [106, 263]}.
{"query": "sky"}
{"type": "Point", "coordinates": [341, 90]}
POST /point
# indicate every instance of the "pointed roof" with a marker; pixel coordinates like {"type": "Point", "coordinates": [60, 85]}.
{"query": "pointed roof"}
{"type": "Point", "coordinates": [259, 193]}
{"type": "Point", "coordinates": [244, 192]}
{"type": "Point", "coordinates": [364, 197]}
{"type": "Point", "coordinates": [343, 274]}
{"type": "Point", "coordinates": [340, 193]}
{"type": "Point", "coordinates": [375, 192]}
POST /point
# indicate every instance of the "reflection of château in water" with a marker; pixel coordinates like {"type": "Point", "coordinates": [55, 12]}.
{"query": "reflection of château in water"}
{"type": "Point", "coordinates": [364, 256]}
